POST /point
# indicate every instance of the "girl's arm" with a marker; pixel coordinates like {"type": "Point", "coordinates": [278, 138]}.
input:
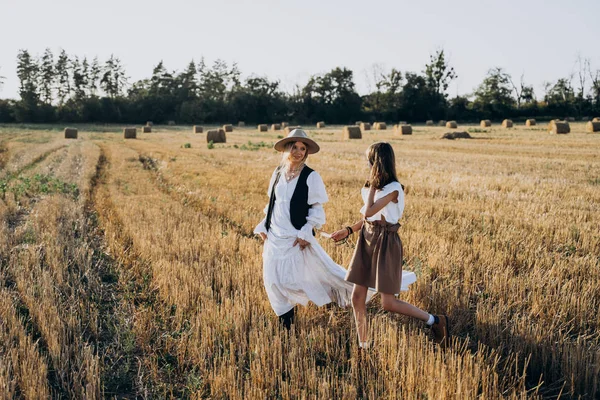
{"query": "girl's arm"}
{"type": "Point", "coordinates": [343, 233]}
{"type": "Point", "coordinates": [373, 207]}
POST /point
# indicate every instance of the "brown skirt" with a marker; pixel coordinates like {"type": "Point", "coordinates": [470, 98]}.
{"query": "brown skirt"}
{"type": "Point", "coordinates": [377, 259]}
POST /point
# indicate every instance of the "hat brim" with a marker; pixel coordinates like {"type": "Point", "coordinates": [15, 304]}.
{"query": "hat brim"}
{"type": "Point", "coordinates": [311, 146]}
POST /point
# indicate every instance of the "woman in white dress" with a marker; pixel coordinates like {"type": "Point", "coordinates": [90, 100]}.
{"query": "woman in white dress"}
{"type": "Point", "coordinates": [296, 269]}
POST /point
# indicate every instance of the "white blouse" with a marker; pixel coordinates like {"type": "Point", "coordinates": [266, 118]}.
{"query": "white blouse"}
{"type": "Point", "coordinates": [392, 211]}
{"type": "Point", "coordinates": [281, 221]}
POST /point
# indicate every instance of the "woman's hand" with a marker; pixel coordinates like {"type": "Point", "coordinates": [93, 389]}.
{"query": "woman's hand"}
{"type": "Point", "coordinates": [339, 235]}
{"type": "Point", "coordinates": [303, 243]}
{"type": "Point", "coordinates": [263, 236]}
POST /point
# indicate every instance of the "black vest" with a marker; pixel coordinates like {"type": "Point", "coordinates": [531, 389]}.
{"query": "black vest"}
{"type": "Point", "coordinates": [298, 205]}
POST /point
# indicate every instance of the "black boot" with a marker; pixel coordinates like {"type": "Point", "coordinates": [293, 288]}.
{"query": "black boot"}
{"type": "Point", "coordinates": [287, 319]}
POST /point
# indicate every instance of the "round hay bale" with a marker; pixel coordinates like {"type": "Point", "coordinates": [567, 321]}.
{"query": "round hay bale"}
{"type": "Point", "coordinates": [429, 122]}
{"type": "Point", "coordinates": [262, 127]}
{"type": "Point", "coordinates": [198, 129]}
{"type": "Point", "coordinates": [402, 123]}
{"type": "Point", "coordinates": [70, 133]}
{"type": "Point", "coordinates": [352, 132]}
{"type": "Point", "coordinates": [149, 123]}
{"type": "Point", "coordinates": [365, 126]}
{"type": "Point", "coordinates": [404, 129]}
{"type": "Point", "coordinates": [530, 122]}
{"type": "Point", "coordinates": [216, 136]}
{"type": "Point", "coordinates": [451, 125]}
{"type": "Point", "coordinates": [228, 128]}
{"type": "Point", "coordinates": [442, 122]}
{"type": "Point", "coordinates": [596, 119]}
{"type": "Point", "coordinates": [592, 126]}
{"type": "Point", "coordinates": [559, 127]}
{"type": "Point", "coordinates": [284, 125]}
{"type": "Point", "coordinates": [146, 129]}
{"type": "Point", "coordinates": [320, 124]}
{"type": "Point", "coordinates": [485, 123]}
{"type": "Point", "coordinates": [275, 127]}
{"type": "Point", "coordinates": [507, 123]}
{"type": "Point", "coordinates": [380, 126]}
{"type": "Point", "coordinates": [241, 124]}
{"type": "Point", "coordinates": [130, 133]}
{"type": "Point", "coordinates": [171, 123]}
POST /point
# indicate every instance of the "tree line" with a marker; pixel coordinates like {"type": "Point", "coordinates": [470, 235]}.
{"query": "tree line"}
{"type": "Point", "coordinates": [66, 88]}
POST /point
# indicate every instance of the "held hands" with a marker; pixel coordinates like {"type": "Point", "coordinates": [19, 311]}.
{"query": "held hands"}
{"type": "Point", "coordinates": [263, 236]}
{"type": "Point", "coordinates": [303, 243]}
{"type": "Point", "coordinates": [340, 235]}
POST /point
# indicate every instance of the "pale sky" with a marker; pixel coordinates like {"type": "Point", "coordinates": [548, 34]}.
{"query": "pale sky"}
{"type": "Point", "coordinates": [290, 40]}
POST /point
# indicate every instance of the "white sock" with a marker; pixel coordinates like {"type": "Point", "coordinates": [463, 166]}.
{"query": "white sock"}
{"type": "Point", "coordinates": [431, 320]}
{"type": "Point", "coordinates": [363, 345]}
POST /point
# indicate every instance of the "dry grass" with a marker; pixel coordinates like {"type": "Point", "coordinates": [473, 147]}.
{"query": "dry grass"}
{"type": "Point", "coordinates": [502, 232]}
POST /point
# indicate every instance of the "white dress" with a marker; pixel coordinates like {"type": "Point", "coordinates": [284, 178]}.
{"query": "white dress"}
{"type": "Point", "coordinates": [293, 276]}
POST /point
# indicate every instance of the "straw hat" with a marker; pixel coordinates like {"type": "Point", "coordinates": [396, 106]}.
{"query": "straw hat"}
{"type": "Point", "coordinates": [298, 135]}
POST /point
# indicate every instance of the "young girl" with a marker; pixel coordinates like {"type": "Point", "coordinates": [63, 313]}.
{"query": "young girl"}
{"type": "Point", "coordinates": [377, 259]}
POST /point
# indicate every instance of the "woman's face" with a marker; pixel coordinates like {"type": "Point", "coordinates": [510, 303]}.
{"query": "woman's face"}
{"type": "Point", "coordinates": [297, 152]}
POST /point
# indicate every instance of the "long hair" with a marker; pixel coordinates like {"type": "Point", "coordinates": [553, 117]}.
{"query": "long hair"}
{"type": "Point", "coordinates": [383, 165]}
{"type": "Point", "coordinates": [285, 156]}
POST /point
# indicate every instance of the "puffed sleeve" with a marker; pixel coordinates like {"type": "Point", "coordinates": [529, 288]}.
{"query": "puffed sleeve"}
{"type": "Point", "coordinates": [261, 227]}
{"type": "Point", "coordinates": [317, 196]}
{"type": "Point", "coordinates": [394, 187]}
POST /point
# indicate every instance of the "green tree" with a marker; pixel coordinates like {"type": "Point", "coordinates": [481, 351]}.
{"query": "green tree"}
{"type": "Point", "coordinates": [61, 73]}
{"type": "Point", "coordinates": [27, 72]}
{"type": "Point", "coordinates": [47, 76]}
{"type": "Point", "coordinates": [493, 96]}
{"type": "Point", "coordinates": [560, 97]}
{"type": "Point", "coordinates": [79, 78]}
{"type": "Point", "coordinates": [94, 77]}
{"type": "Point", "coordinates": [113, 79]}
{"type": "Point", "coordinates": [439, 73]}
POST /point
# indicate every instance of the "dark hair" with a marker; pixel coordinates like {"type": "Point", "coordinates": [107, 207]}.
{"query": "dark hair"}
{"type": "Point", "coordinates": [383, 165]}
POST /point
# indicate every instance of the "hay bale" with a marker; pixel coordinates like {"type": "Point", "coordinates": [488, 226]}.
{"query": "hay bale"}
{"type": "Point", "coordinates": [365, 126]}
{"type": "Point", "coordinates": [275, 127]}
{"type": "Point", "coordinates": [146, 129]}
{"type": "Point", "coordinates": [380, 126]}
{"type": "Point", "coordinates": [228, 128]}
{"type": "Point", "coordinates": [592, 126]}
{"type": "Point", "coordinates": [596, 119]}
{"type": "Point", "coordinates": [70, 133]}
{"type": "Point", "coordinates": [284, 125]}
{"type": "Point", "coordinates": [442, 122]}
{"type": "Point", "coordinates": [485, 123]}
{"type": "Point", "coordinates": [451, 125]}
{"type": "Point", "coordinates": [288, 129]}
{"type": "Point", "coordinates": [404, 129]}
{"type": "Point", "coordinates": [149, 123]}
{"type": "Point", "coordinates": [171, 123]}
{"type": "Point", "coordinates": [558, 127]}
{"type": "Point", "coordinates": [130, 133]}
{"type": "Point", "coordinates": [320, 124]}
{"type": "Point", "coordinates": [507, 123]}
{"type": "Point", "coordinates": [530, 122]}
{"type": "Point", "coordinates": [402, 123]}
{"type": "Point", "coordinates": [352, 132]}
{"type": "Point", "coordinates": [429, 122]}
{"type": "Point", "coordinates": [262, 127]}
{"type": "Point", "coordinates": [216, 136]}
{"type": "Point", "coordinates": [198, 129]}
{"type": "Point", "coordinates": [241, 124]}
{"type": "Point", "coordinates": [456, 135]}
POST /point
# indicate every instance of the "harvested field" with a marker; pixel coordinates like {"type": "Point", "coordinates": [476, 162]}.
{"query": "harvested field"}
{"type": "Point", "coordinates": [129, 269]}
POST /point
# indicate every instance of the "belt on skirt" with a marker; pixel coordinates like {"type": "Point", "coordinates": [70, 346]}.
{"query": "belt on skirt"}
{"type": "Point", "coordinates": [380, 224]}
